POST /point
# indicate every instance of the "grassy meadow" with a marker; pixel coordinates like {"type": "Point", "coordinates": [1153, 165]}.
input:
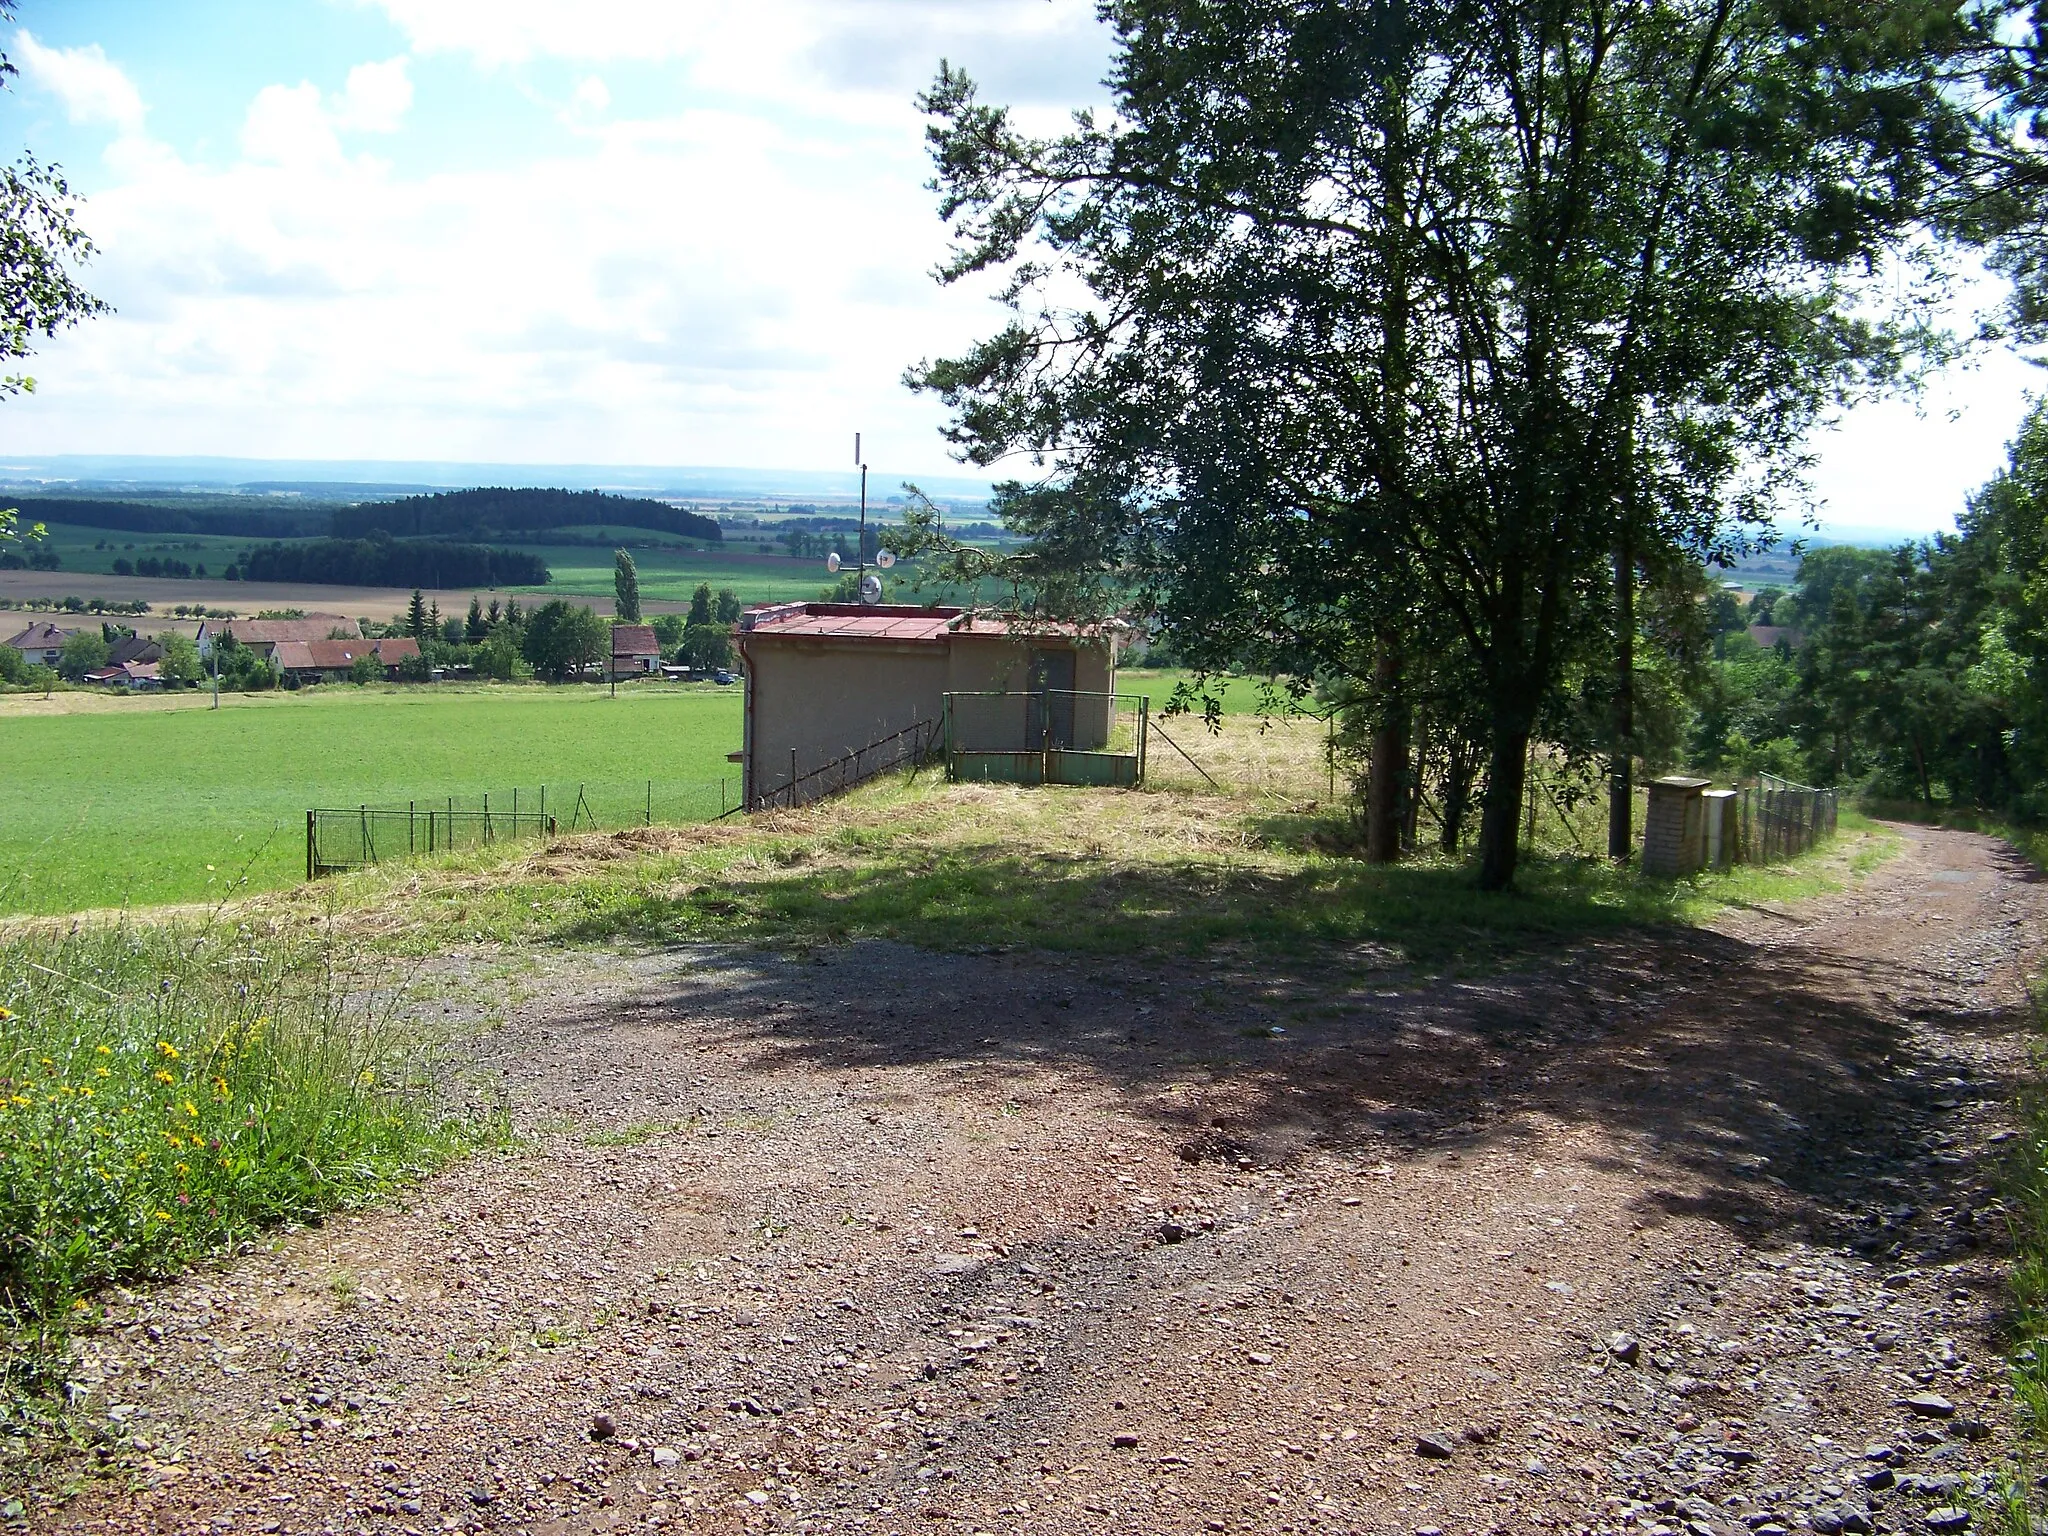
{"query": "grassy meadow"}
{"type": "Point", "coordinates": [123, 801]}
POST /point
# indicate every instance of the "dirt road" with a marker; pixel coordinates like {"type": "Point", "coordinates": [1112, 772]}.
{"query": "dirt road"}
{"type": "Point", "coordinates": [1688, 1233]}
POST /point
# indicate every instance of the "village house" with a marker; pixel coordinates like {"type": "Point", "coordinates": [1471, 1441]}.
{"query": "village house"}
{"type": "Point", "coordinates": [139, 676]}
{"type": "Point", "coordinates": [314, 626]}
{"type": "Point", "coordinates": [322, 661]}
{"type": "Point", "coordinates": [635, 651]}
{"type": "Point", "coordinates": [41, 643]}
{"type": "Point", "coordinates": [826, 680]}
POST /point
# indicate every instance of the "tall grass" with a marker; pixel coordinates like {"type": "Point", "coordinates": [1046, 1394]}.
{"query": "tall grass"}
{"type": "Point", "coordinates": [167, 1092]}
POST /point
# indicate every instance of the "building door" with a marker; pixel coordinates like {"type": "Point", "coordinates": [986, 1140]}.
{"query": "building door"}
{"type": "Point", "coordinates": [1052, 699]}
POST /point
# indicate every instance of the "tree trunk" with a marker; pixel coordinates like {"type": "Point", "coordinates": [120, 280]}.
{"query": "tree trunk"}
{"type": "Point", "coordinates": [1500, 817]}
{"type": "Point", "coordinates": [1457, 791]}
{"type": "Point", "coordinates": [1387, 781]}
{"type": "Point", "coordinates": [1621, 765]}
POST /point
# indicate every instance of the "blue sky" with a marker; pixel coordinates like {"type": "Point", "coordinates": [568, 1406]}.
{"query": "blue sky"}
{"type": "Point", "coordinates": [631, 231]}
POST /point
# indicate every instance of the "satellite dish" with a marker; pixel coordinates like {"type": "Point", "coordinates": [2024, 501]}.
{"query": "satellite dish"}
{"type": "Point", "coordinates": [871, 588]}
{"type": "Point", "coordinates": [832, 561]}
{"type": "Point", "coordinates": [885, 558]}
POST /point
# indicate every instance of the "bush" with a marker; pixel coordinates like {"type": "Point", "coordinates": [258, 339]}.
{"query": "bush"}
{"type": "Point", "coordinates": [203, 1085]}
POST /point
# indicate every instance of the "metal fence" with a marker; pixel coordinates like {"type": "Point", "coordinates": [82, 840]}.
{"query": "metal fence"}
{"type": "Point", "coordinates": [912, 745]}
{"type": "Point", "coordinates": [1047, 736]}
{"type": "Point", "coordinates": [338, 839]}
{"type": "Point", "coordinates": [350, 837]}
{"type": "Point", "coordinates": [1776, 818]}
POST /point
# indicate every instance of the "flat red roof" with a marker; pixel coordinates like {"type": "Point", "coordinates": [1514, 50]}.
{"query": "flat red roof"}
{"type": "Point", "coordinates": [896, 622]}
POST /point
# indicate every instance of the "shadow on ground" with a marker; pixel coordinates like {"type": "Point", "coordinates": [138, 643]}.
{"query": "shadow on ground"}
{"type": "Point", "coordinates": [1778, 1088]}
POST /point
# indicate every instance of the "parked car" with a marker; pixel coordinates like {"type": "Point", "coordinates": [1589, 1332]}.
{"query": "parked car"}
{"type": "Point", "coordinates": [722, 677]}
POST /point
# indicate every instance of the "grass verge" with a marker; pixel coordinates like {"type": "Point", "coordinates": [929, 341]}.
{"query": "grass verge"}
{"type": "Point", "coordinates": [169, 1091]}
{"type": "Point", "coordinates": [1167, 872]}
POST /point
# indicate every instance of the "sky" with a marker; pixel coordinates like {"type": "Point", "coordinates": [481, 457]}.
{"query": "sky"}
{"type": "Point", "coordinates": [620, 231]}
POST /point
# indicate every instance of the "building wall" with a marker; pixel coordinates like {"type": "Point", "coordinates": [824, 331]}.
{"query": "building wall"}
{"type": "Point", "coordinates": [827, 698]}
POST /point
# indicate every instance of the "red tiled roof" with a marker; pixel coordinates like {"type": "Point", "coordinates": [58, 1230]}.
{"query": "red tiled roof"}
{"type": "Point", "coordinates": [338, 655]}
{"type": "Point", "coordinates": [313, 627]}
{"type": "Point", "coordinates": [634, 640]}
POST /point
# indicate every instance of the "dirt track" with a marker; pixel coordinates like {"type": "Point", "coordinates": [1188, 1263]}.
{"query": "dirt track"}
{"type": "Point", "coordinates": [881, 1240]}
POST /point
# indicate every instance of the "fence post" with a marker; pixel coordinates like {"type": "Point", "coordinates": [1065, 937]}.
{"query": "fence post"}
{"type": "Point", "coordinates": [310, 843]}
{"type": "Point", "coordinates": [648, 820]}
{"type": "Point", "coordinates": [411, 837]}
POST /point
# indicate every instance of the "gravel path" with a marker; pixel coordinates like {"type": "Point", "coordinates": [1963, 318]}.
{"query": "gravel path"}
{"type": "Point", "coordinates": [1688, 1233]}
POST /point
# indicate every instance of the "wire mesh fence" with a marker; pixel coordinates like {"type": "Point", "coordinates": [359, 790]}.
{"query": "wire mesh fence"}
{"type": "Point", "coordinates": [352, 837]}
{"type": "Point", "coordinates": [908, 747]}
{"type": "Point", "coordinates": [1777, 818]}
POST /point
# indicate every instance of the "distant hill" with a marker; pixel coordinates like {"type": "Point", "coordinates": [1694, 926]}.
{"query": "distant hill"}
{"type": "Point", "coordinates": [240, 517]}
{"type": "Point", "coordinates": [508, 512]}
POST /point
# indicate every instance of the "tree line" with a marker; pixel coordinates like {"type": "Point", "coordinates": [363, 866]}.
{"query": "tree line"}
{"type": "Point", "coordinates": [1429, 354]}
{"type": "Point", "coordinates": [495, 511]}
{"type": "Point", "coordinates": [388, 562]}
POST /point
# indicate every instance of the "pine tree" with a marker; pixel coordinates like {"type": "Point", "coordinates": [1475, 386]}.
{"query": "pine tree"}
{"type": "Point", "coordinates": [513, 616]}
{"type": "Point", "coordinates": [625, 587]}
{"type": "Point", "coordinates": [473, 626]}
{"type": "Point", "coordinates": [434, 617]}
{"type": "Point", "coordinates": [492, 618]}
{"type": "Point", "coordinates": [416, 616]}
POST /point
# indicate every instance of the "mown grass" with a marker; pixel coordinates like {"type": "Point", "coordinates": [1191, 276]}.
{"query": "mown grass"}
{"type": "Point", "coordinates": [166, 800]}
{"type": "Point", "coordinates": [169, 1091]}
{"type": "Point", "coordinates": [1171, 871]}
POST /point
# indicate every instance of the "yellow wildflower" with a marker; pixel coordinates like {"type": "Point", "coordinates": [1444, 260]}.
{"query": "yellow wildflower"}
{"type": "Point", "coordinates": [169, 1050]}
{"type": "Point", "coordinates": [162, 1076]}
{"type": "Point", "coordinates": [86, 1092]}
{"type": "Point", "coordinates": [191, 1109]}
{"type": "Point", "coordinates": [6, 1014]}
{"type": "Point", "coordinates": [101, 1072]}
{"type": "Point", "coordinates": [183, 1169]}
{"type": "Point", "coordinates": [162, 1215]}
{"type": "Point", "coordinates": [103, 1050]}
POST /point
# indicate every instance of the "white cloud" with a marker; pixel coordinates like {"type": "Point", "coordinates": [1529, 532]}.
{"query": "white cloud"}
{"type": "Point", "coordinates": [92, 87]}
{"type": "Point", "coordinates": [376, 98]}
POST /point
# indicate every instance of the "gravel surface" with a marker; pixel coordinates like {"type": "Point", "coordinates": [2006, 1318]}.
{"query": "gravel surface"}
{"type": "Point", "coordinates": [1687, 1232]}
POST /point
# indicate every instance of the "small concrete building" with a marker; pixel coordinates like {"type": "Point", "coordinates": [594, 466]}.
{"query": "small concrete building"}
{"type": "Point", "coordinates": [826, 680]}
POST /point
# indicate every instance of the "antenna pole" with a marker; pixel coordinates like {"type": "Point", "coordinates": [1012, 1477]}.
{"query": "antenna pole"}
{"type": "Point", "coordinates": [860, 554]}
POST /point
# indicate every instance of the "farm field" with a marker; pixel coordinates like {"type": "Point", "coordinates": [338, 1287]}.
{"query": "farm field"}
{"type": "Point", "coordinates": [667, 578]}
{"type": "Point", "coordinates": [138, 801]}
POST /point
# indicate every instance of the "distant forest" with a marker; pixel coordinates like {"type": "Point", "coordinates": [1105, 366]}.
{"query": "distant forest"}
{"type": "Point", "coordinates": [386, 562]}
{"type": "Point", "coordinates": [491, 512]}
{"type": "Point", "coordinates": [240, 517]}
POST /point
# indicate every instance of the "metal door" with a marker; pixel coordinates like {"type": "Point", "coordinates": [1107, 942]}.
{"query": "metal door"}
{"type": "Point", "coordinates": [1051, 717]}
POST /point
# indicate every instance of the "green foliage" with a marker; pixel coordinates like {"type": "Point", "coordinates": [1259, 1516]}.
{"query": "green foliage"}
{"type": "Point", "coordinates": [416, 615]}
{"type": "Point", "coordinates": [366, 668]}
{"type": "Point", "coordinates": [180, 662]}
{"type": "Point", "coordinates": [82, 653]}
{"type": "Point", "coordinates": [728, 607]}
{"type": "Point", "coordinates": [475, 627]}
{"type": "Point", "coordinates": [166, 1092]}
{"type": "Point", "coordinates": [700, 604]}
{"type": "Point", "coordinates": [706, 646]}
{"type": "Point", "coordinates": [561, 642]}
{"type": "Point", "coordinates": [668, 630]}
{"type": "Point", "coordinates": [625, 587]}
{"type": "Point", "coordinates": [1393, 334]}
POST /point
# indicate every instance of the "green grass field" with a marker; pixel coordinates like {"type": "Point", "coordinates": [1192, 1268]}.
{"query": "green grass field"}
{"type": "Point", "coordinates": [138, 801]}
